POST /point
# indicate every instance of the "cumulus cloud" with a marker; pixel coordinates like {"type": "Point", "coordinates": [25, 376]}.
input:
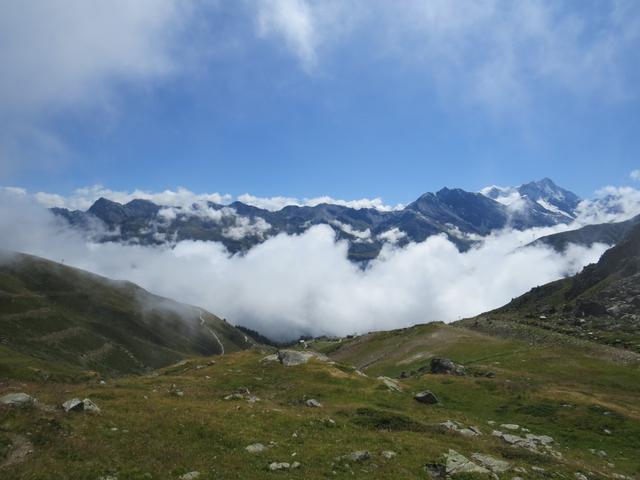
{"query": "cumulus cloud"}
{"type": "Point", "coordinates": [74, 54]}
{"type": "Point", "coordinates": [266, 288]}
{"type": "Point", "coordinates": [493, 51]}
{"type": "Point", "coordinates": [611, 204]}
{"type": "Point", "coordinates": [83, 198]}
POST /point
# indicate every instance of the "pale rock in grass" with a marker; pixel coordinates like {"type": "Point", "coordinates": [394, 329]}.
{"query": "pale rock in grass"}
{"type": "Point", "coordinates": [359, 456]}
{"type": "Point", "coordinates": [580, 476]}
{"type": "Point", "coordinates": [461, 429]}
{"type": "Point", "coordinates": [457, 463]}
{"type": "Point", "coordinates": [255, 448]}
{"type": "Point", "coordinates": [510, 426]}
{"type": "Point", "coordinates": [189, 476]}
{"type": "Point", "coordinates": [295, 465]}
{"type": "Point", "coordinates": [73, 405]}
{"type": "Point", "coordinates": [18, 400]}
{"type": "Point", "coordinates": [275, 466]}
{"type": "Point", "coordinates": [390, 384]}
{"type": "Point", "coordinates": [313, 403]}
{"type": "Point", "coordinates": [291, 358]}
{"type": "Point", "coordinates": [389, 454]}
{"type": "Point", "coordinates": [492, 463]}
{"type": "Point", "coordinates": [89, 406]}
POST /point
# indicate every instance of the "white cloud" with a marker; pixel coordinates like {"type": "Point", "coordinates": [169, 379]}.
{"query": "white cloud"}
{"type": "Point", "coordinates": [361, 235]}
{"type": "Point", "coordinates": [492, 52]}
{"type": "Point", "coordinates": [72, 55]}
{"type": "Point", "coordinates": [277, 203]}
{"type": "Point", "coordinates": [611, 204]}
{"type": "Point", "coordinates": [267, 290]}
{"type": "Point", "coordinates": [246, 227]}
{"type": "Point", "coordinates": [392, 236]}
{"type": "Point", "coordinates": [293, 21]}
{"type": "Point", "coordinates": [635, 175]}
{"type": "Point", "coordinates": [83, 198]}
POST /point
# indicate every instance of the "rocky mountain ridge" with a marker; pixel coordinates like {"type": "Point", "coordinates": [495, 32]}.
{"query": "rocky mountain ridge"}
{"type": "Point", "coordinates": [460, 215]}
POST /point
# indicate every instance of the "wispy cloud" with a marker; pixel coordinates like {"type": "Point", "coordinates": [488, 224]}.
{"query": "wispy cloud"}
{"type": "Point", "coordinates": [635, 175]}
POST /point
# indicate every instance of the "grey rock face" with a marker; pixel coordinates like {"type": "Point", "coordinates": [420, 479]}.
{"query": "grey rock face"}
{"type": "Point", "coordinates": [77, 405]}
{"type": "Point", "coordinates": [457, 463]}
{"type": "Point", "coordinates": [390, 384]}
{"type": "Point", "coordinates": [18, 400]}
{"type": "Point", "coordinates": [446, 367]}
{"type": "Point", "coordinates": [427, 397]}
{"type": "Point", "coordinates": [291, 358]}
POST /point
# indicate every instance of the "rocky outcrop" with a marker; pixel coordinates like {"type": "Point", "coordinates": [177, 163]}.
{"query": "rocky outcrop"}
{"type": "Point", "coordinates": [444, 366]}
{"type": "Point", "coordinates": [291, 358]}
{"type": "Point", "coordinates": [427, 397]}
{"type": "Point", "coordinates": [18, 400]}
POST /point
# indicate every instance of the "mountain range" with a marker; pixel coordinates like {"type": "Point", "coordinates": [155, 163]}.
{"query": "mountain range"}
{"type": "Point", "coordinates": [460, 215]}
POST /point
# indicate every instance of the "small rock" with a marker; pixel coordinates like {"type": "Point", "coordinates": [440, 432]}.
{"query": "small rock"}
{"type": "Point", "coordinates": [359, 456]}
{"type": "Point", "coordinates": [580, 476]}
{"type": "Point", "coordinates": [313, 403]}
{"type": "Point", "coordinates": [77, 405]}
{"type": "Point", "coordinates": [493, 464]}
{"type": "Point", "coordinates": [189, 476]}
{"type": "Point", "coordinates": [390, 384]}
{"type": "Point", "coordinates": [18, 400]}
{"type": "Point", "coordinates": [445, 366]}
{"type": "Point", "coordinates": [457, 463]}
{"type": "Point", "coordinates": [436, 471]}
{"type": "Point", "coordinates": [255, 448]}
{"type": "Point", "coordinates": [295, 465]}
{"type": "Point", "coordinates": [389, 454]}
{"type": "Point", "coordinates": [510, 426]}
{"type": "Point", "coordinates": [73, 405]}
{"type": "Point", "coordinates": [427, 397]}
{"type": "Point", "coordinates": [275, 466]}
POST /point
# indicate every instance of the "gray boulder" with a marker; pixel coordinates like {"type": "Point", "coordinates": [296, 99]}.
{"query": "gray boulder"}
{"type": "Point", "coordinates": [427, 397]}
{"type": "Point", "coordinates": [291, 358]}
{"type": "Point", "coordinates": [313, 403]}
{"type": "Point", "coordinates": [77, 405]}
{"type": "Point", "coordinates": [255, 448]}
{"type": "Point", "coordinates": [445, 366]}
{"type": "Point", "coordinates": [457, 463]}
{"type": "Point", "coordinates": [18, 400]}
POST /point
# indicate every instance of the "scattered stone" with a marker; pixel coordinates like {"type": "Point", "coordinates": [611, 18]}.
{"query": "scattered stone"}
{"type": "Point", "coordinates": [531, 442]}
{"type": "Point", "coordinates": [275, 466]}
{"type": "Point", "coordinates": [291, 358]}
{"type": "Point", "coordinates": [295, 465]}
{"type": "Point", "coordinates": [389, 454]}
{"type": "Point", "coordinates": [189, 476]}
{"type": "Point", "coordinates": [457, 463]}
{"type": "Point", "coordinates": [358, 456]}
{"type": "Point", "coordinates": [255, 448]}
{"type": "Point", "coordinates": [510, 426]}
{"type": "Point", "coordinates": [390, 384]}
{"type": "Point", "coordinates": [580, 476]}
{"type": "Point", "coordinates": [77, 405]}
{"type": "Point", "coordinates": [445, 366]}
{"type": "Point", "coordinates": [313, 403]}
{"type": "Point", "coordinates": [461, 429]}
{"type": "Point", "coordinates": [427, 397]}
{"type": "Point", "coordinates": [18, 400]}
{"type": "Point", "coordinates": [270, 358]}
{"type": "Point", "coordinates": [493, 464]}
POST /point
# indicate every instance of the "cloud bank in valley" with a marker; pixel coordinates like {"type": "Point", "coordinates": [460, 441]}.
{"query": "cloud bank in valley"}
{"type": "Point", "coordinates": [293, 285]}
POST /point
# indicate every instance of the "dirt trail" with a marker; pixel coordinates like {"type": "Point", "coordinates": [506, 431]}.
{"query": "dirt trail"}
{"type": "Point", "coordinates": [202, 323]}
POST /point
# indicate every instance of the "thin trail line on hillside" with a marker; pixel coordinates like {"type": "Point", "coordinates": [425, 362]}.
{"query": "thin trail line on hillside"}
{"type": "Point", "coordinates": [202, 323]}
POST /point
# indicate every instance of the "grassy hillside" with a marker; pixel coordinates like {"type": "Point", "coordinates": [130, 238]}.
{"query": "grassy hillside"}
{"type": "Point", "coordinates": [61, 321]}
{"type": "Point", "coordinates": [178, 421]}
{"type": "Point", "coordinates": [601, 303]}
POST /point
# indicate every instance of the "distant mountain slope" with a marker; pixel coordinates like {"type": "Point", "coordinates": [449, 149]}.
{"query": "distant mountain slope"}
{"type": "Point", "coordinates": [544, 193]}
{"type": "Point", "coordinates": [607, 233]}
{"type": "Point", "coordinates": [461, 216]}
{"type": "Point", "coordinates": [601, 303]}
{"type": "Point", "coordinates": [55, 313]}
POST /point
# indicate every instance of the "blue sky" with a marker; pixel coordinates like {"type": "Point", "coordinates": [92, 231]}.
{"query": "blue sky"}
{"type": "Point", "coordinates": [300, 98]}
